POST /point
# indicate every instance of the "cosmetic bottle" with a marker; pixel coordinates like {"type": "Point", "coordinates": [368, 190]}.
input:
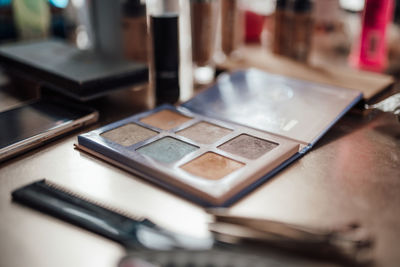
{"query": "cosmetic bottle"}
{"type": "Point", "coordinates": [203, 14]}
{"type": "Point", "coordinates": [257, 20]}
{"type": "Point", "coordinates": [332, 37]}
{"type": "Point", "coordinates": [164, 56]}
{"type": "Point", "coordinates": [369, 52]}
{"type": "Point", "coordinates": [232, 27]}
{"type": "Point", "coordinates": [134, 30]}
{"type": "Point", "coordinates": [302, 30]}
{"type": "Point", "coordinates": [32, 18]}
{"type": "Point", "coordinates": [293, 29]}
{"type": "Point", "coordinates": [281, 32]}
{"type": "Point", "coordinates": [106, 17]}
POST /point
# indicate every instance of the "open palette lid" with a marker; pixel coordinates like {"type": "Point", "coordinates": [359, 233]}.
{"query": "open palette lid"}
{"type": "Point", "coordinates": [296, 109]}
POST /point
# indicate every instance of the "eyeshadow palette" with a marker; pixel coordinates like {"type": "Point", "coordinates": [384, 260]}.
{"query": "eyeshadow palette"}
{"type": "Point", "coordinates": [215, 148]}
{"type": "Point", "coordinates": [210, 159]}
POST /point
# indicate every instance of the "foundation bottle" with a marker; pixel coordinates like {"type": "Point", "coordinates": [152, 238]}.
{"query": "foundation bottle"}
{"type": "Point", "coordinates": [232, 27]}
{"type": "Point", "coordinates": [281, 32]}
{"type": "Point", "coordinates": [203, 14]}
{"type": "Point", "coordinates": [134, 28]}
{"type": "Point", "coordinates": [302, 30]}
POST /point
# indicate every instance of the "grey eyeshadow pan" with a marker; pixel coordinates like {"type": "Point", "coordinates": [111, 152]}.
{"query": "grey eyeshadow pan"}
{"type": "Point", "coordinates": [248, 146]}
{"type": "Point", "coordinates": [167, 150]}
{"type": "Point", "coordinates": [129, 134]}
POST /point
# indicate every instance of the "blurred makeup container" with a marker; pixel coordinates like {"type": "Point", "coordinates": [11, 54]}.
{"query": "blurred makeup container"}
{"type": "Point", "coordinates": [369, 52]}
{"type": "Point", "coordinates": [134, 30]}
{"type": "Point", "coordinates": [106, 17]}
{"type": "Point", "coordinates": [258, 16]}
{"type": "Point", "coordinates": [32, 18]}
{"type": "Point", "coordinates": [203, 14]}
{"type": "Point", "coordinates": [331, 39]}
{"type": "Point", "coordinates": [293, 29]}
{"type": "Point", "coordinates": [281, 32]}
{"type": "Point", "coordinates": [170, 50]}
{"type": "Point", "coordinates": [231, 28]}
{"type": "Point", "coordinates": [302, 23]}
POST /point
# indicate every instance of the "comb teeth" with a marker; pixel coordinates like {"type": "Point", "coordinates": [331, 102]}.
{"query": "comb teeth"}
{"type": "Point", "coordinates": [94, 202]}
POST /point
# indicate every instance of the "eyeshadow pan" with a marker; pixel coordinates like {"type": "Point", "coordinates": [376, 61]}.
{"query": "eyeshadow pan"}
{"type": "Point", "coordinates": [167, 149]}
{"type": "Point", "coordinates": [204, 132]}
{"type": "Point", "coordinates": [165, 119]}
{"type": "Point", "coordinates": [212, 166]}
{"type": "Point", "coordinates": [129, 134]}
{"type": "Point", "coordinates": [248, 146]}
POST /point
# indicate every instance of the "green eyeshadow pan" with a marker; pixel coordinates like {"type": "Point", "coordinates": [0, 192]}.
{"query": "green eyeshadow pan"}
{"type": "Point", "coordinates": [167, 149]}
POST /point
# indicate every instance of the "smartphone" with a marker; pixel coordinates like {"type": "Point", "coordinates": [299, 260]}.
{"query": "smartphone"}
{"type": "Point", "coordinates": [34, 123]}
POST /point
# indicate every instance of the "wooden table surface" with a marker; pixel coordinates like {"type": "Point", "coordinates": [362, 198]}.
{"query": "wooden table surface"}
{"type": "Point", "coordinates": [352, 174]}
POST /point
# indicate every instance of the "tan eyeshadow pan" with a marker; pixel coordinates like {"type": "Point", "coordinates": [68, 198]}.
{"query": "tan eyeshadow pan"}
{"type": "Point", "coordinates": [204, 132]}
{"type": "Point", "coordinates": [248, 146]}
{"type": "Point", "coordinates": [212, 166]}
{"type": "Point", "coordinates": [165, 119]}
{"type": "Point", "coordinates": [129, 134]}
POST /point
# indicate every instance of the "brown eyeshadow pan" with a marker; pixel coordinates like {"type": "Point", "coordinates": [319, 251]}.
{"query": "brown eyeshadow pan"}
{"type": "Point", "coordinates": [165, 119]}
{"type": "Point", "coordinates": [129, 134]}
{"type": "Point", "coordinates": [204, 132]}
{"type": "Point", "coordinates": [212, 166]}
{"type": "Point", "coordinates": [248, 146]}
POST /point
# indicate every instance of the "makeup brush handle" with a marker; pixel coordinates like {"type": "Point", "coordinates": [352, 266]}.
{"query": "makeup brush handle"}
{"type": "Point", "coordinates": [275, 227]}
{"type": "Point", "coordinates": [335, 246]}
{"type": "Point", "coordinates": [349, 236]}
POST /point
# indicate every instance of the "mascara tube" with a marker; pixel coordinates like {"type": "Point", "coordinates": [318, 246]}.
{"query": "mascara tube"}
{"type": "Point", "coordinates": [164, 67]}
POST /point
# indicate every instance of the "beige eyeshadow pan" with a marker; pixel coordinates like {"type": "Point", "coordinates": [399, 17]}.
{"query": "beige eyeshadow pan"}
{"type": "Point", "coordinates": [129, 134]}
{"type": "Point", "coordinates": [204, 132]}
{"type": "Point", "coordinates": [212, 166]}
{"type": "Point", "coordinates": [165, 119]}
